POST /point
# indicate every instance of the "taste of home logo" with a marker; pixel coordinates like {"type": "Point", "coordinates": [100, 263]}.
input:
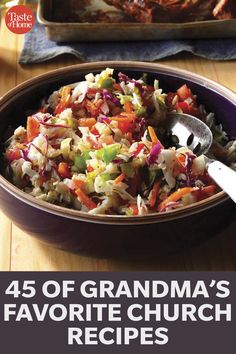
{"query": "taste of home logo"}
{"type": "Point", "coordinates": [19, 19]}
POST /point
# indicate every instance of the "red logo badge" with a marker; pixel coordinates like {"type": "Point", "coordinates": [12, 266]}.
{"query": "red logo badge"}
{"type": "Point", "coordinates": [19, 19]}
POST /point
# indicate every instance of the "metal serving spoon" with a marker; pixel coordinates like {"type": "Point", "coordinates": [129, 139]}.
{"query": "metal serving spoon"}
{"type": "Point", "coordinates": [188, 131]}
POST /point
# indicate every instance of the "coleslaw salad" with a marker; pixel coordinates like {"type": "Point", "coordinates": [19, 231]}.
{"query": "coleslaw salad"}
{"type": "Point", "coordinates": [97, 146]}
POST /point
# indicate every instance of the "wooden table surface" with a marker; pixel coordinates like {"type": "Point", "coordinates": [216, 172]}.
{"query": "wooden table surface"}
{"type": "Point", "coordinates": [20, 252]}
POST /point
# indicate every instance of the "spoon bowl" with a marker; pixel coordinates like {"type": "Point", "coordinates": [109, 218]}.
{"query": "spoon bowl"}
{"type": "Point", "coordinates": [188, 131]}
{"type": "Point", "coordinates": [185, 130]}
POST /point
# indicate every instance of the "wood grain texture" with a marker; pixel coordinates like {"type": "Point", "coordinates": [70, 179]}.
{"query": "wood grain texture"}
{"type": "Point", "coordinates": [19, 251]}
{"type": "Point", "coordinates": [7, 81]}
{"type": "Point", "coordinates": [5, 242]}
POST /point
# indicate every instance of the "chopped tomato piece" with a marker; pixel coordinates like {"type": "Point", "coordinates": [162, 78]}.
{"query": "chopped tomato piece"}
{"type": "Point", "coordinates": [184, 92]}
{"type": "Point", "coordinates": [32, 128]}
{"type": "Point", "coordinates": [184, 106]}
{"type": "Point", "coordinates": [64, 170]}
{"type": "Point", "coordinates": [150, 88]}
{"type": "Point", "coordinates": [188, 108]}
{"type": "Point", "coordinates": [90, 169]}
{"type": "Point", "coordinates": [125, 121]}
{"type": "Point", "coordinates": [13, 155]}
{"type": "Point", "coordinates": [125, 126]}
{"type": "Point", "coordinates": [139, 148]}
{"type": "Point", "coordinates": [129, 137]}
{"type": "Point", "coordinates": [94, 131]}
{"type": "Point", "coordinates": [134, 209]}
{"type": "Point", "coordinates": [60, 108]}
{"type": "Point", "coordinates": [75, 106]}
{"type": "Point", "coordinates": [210, 190]}
{"type": "Point", "coordinates": [205, 192]}
{"type": "Point", "coordinates": [92, 91]}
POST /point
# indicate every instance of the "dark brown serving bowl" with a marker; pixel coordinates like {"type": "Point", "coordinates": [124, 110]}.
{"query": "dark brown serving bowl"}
{"type": "Point", "coordinates": [106, 235]}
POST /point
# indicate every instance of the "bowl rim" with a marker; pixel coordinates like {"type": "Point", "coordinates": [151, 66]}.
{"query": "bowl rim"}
{"type": "Point", "coordinates": [116, 219]}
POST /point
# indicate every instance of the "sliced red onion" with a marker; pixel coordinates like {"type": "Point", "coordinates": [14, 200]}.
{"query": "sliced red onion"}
{"type": "Point", "coordinates": [37, 148]}
{"type": "Point", "coordinates": [45, 118]}
{"type": "Point", "coordinates": [154, 153]}
{"type": "Point", "coordinates": [172, 205]}
{"type": "Point", "coordinates": [118, 161]}
{"type": "Point", "coordinates": [189, 161]}
{"type": "Point", "coordinates": [138, 85]}
{"type": "Point", "coordinates": [54, 125]}
{"type": "Point", "coordinates": [108, 96]}
{"type": "Point", "coordinates": [25, 155]}
{"type": "Point", "coordinates": [123, 77]}
{"type": "Point", "coordinates": [55, 146]}
{"type": "Point", "coordinates": [141, 125]}
{"type": "Point", "coordinates": [41, 119]}
{"type": "Point", "coordinates": [102, 119]}
{"type": "Point", "coordinates": [105, 108]}
{"type": "Point", "coordinates": [47, 143]}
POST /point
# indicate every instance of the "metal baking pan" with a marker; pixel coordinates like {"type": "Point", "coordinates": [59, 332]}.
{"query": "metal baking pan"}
{"type": "Point", "coordinates": [64, 21]}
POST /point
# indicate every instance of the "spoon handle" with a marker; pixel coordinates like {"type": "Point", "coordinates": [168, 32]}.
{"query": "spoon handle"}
{"type": "Point", "coordinates": [224, 176]}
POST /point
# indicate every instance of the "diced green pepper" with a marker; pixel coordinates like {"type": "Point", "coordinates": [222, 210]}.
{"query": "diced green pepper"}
{"type": "Point", "coordinates": [85, 154]}
{"type": "Point", "coordinates": [108, 153]}
{"type": "Point", "coordinates": [107, 83]}
{"type": "Point", "coordinates": [106, 177]}
{"type": "Point", "coordinates": [99, 154]}
{"type": "Point", "coordinates": [129, 212]}
{"type": "Point", "coordinates": [80, 163]}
